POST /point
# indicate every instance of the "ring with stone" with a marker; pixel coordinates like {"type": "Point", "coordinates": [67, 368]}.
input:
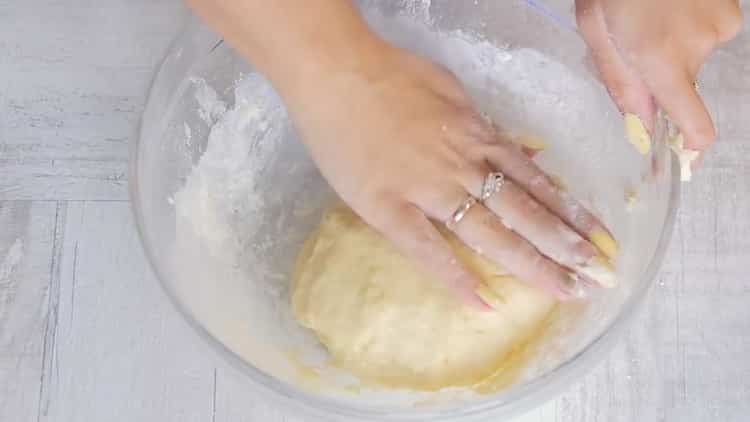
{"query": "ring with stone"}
{"type": "Point", "coordinates": [492, 185]}
{"type": "Point", "coordinates": [461, 212]}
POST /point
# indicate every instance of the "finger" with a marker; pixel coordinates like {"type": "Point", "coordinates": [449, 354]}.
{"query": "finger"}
{"type": "Point", "coordinates": [538, 184]}
{"type": "Point", "coordinates": [674, 89]}
{"type": "Point", "coordinates": [549, 234]}
{"type": "Point", "coordinates": [522, 213]}
{"type": "Point", "coordinates": [413, 233]}
{"type": "Point", "coordinates": [482, 231]}
{"type": "Point", "coordinates": [485, 131]}
{"type": "Point", "coordinates": [627, 89]}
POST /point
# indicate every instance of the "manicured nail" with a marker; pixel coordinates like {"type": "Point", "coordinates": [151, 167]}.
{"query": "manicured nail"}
{"type": "Point", "coordinates": [686, 156]}
{"type": "Point", "coordinates": [489, 296]}
{"type": "Point", "coordinates": [558, 182]}
{"type": "Point", "coordinates": [605, 242]}
{"type": "Point", "coordinates": [531, 142]}
{"type": "Point", "coordinates": [498, 282]}
{"type": "Point", "coordinates": [600, 270]}
{"type": "Point", "coordinates": [574, 286]}
{"type": "Point", "coordinates": [637, 133]}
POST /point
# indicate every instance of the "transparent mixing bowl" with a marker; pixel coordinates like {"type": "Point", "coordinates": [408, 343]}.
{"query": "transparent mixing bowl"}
{"type": "Point", "coordinates": [239, 305]}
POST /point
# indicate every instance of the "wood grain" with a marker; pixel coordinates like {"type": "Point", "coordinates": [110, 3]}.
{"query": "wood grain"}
{"type": "Point", "coordinates": [27, 242]}
{"type": "Point", "coordinates": [120, 352]}
{"type": "Point", "coordinates": [73, 78]}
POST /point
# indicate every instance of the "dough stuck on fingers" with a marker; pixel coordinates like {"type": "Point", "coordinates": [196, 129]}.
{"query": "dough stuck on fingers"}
{"type": "Point", "coordinates": [637, 133]}
{"type": "Point", "coordinates": [377, 312]}
{"type": "Point", "coordinates": [684, 155]}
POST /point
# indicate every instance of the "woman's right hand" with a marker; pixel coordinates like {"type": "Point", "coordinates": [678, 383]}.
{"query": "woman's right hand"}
{"type": "Point", "coordinates": [401, 142]}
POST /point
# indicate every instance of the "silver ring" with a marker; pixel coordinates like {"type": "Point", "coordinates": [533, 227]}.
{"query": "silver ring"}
{"type": "Point", "coordinates": [493, 183]}
{"type": "Point", "coordinates": [461, 212]}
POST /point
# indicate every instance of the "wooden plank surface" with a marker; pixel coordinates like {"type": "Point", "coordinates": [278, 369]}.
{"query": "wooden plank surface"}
{"type": "Point", "coordinates": [73, 77]}
{"type": "Point", "coordinates": [27, 242]}
{"type": "Point", "coordinates": [87, 335]}
{"type": "Point", "coordinates": [119, 352]}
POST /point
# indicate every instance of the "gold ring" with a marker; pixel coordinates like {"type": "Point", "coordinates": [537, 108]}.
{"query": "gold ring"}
{"type": "Point", "coordinates": [461, 212]}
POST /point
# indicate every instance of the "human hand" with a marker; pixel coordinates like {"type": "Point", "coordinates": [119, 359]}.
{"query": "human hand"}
{"type": "Point", "coordinates": [648, 54]}
{"type": "Point", "coordinates": [401, 143]}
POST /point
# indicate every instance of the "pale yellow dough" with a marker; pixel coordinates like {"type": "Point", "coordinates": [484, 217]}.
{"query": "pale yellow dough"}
{"type": "Point", "coordinates": [388, 321]}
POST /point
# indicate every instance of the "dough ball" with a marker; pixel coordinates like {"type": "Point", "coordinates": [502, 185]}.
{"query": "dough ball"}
{"type": "Point", "coordinates": [385, 319]}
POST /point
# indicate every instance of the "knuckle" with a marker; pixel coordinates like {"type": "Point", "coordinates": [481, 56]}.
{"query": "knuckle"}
{"type": "Point", "coordinates": [538, 269]}
{"type": "Point", "coordinates": [533, 208]}
{"type": "Point", "coordinates": [502, 153]}
{"type": "Point", "coordinates": [382, 210]}
{"type": "Point", "coordinates": [526, 255]}
{"type": "Point", "coordinates": [474, 128]}
{"type": "Point", "coordinates": [524, 203]}
{"type": "Point", "coordinates": [477, 124]}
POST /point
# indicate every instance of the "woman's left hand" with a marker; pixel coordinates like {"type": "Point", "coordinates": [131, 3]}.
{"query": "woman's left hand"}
{"type": "Point", "coordinates": [648, 54]}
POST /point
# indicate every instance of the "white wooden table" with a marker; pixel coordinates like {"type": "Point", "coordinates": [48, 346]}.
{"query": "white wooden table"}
{"type": "Point", "coordinates": [87, 335]}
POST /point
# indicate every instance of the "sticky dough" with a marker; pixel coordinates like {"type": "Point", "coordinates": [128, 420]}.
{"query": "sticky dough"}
{"type": "Point", "coordinates": [388, 321]}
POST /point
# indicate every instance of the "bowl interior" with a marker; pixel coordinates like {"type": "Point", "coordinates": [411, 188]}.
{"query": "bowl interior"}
{"type": "Point", "coordinates": [224, 194]}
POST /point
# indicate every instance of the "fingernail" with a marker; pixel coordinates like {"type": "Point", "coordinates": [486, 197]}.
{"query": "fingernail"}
{"type": "Point", "coordinates": [684, 155]}
{"type": "Point", "coordinates": [531, 142]}
{"type": "Point", "coordinates": [605, 242]}
{"type": "Point", "coordinates": [637, 133]}
{"type": "Point", "coordinates": [489, 296]}
{"type": "Point", "coordinates": [498, 282]}
{"type": "Point", "coordinates": [600, 270]}
{"type": "Point", "coordinates": [557, 181]}
{"type": "Point", "coordinates": [530, 152]}
{"type": "Point", "coordinates": [574, 287]}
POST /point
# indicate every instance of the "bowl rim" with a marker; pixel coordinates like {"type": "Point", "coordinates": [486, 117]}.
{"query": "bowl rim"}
{"type": "Point", "coordinates": [515, 399]}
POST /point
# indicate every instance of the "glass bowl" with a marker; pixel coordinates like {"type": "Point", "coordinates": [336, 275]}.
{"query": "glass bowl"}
{"type": "Point", "coordinates": [221, 221]}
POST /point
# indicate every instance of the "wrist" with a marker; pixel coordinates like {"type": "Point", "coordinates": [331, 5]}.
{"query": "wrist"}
{"type": "Point", "coordinates": [318, 65]}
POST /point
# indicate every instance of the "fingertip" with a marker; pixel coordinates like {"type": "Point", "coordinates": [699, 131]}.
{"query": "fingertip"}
{"type": "Point", "coordinates": [530, 152]}
{"type": "Point", "coordinates": [481, 301]}
{"type": "Point", "coordinates": [605, 242]}
{"type": "Point", "coordinates": [572, 288]}
{"type": "Point", "coordinates": [700, 137]}
{"type": "Point", "coordinates": [585, 250]}
{"type": "Point", "coordinates": [674, 90]}
{"type": "Point", "coordinates": [600, 270]}
{"type": "Point", "coordinates": [472, 292]}
{"type": "Point", "coordinates": [489, 297]}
